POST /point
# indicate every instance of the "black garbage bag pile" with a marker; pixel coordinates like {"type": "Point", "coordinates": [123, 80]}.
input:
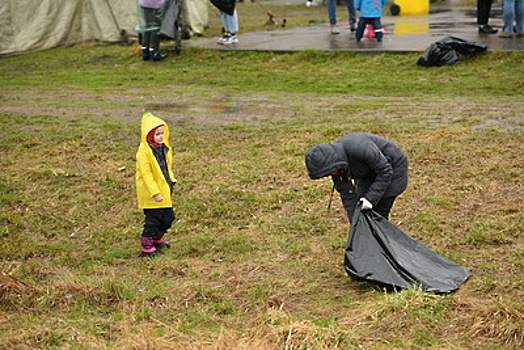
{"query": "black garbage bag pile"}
{"type": "Point", "coordinates": [378, 251]}
{"type": "Point", "coordinates": [446, 52]}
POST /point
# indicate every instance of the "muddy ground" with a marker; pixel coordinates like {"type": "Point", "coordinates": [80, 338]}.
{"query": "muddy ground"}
{"type": "Point", "coordinates": [205, 107]}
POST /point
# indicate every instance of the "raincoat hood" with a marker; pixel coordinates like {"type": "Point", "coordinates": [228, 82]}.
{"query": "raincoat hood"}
{"type": "Point", "coordinates": [325, 159]}
{"type": "Point", "coordinates": [149, 123]}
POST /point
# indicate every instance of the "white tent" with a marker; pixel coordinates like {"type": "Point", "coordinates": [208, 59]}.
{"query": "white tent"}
{"type": "Point", "coordinates": [31, 25]}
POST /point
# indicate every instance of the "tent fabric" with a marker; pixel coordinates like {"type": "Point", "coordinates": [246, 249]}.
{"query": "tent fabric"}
{"type": "Point", "coordinates": [196, 17]}
{"type": "Point", "coordinates": [194, 11]}
{"type": "Point", "coordinates": [32, 25]}
{"type": "Point", "coordinates": [378, 251]}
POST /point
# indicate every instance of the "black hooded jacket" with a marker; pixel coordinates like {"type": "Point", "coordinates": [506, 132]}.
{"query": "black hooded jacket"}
{"type": "Point", "coordinates": [374, 167]}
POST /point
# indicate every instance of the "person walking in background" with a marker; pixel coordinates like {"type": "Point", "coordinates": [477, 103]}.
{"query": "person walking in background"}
{"type": "Point", "coordinates": [229, 17]}
{"type": "Point", "coordinates": [154, 183]}
{"type": "Point", "coordinates": [483, 13]}
{"type": "Point", "coordinates": [513, 15]}
{"type": "Point", "coordinates": [365, 169]}
{"type": "Point", "coordinates": [370, 13]}
{"type": "Point", "coordinates": [332, 14]}
{"type": "Point", "coordinates": [150, 16]}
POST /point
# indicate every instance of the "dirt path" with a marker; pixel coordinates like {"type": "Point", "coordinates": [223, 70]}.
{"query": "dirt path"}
{"type": "Point", "coordinates": [211, 107]}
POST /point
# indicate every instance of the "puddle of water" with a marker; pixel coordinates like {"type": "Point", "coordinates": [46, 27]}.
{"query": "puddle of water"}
{"type": "Point", "coordinates": [441, 18]}
{"type": "Point", "coordinates": [166, 107]}
{"type": "Point", "coordinates": [219, 107]}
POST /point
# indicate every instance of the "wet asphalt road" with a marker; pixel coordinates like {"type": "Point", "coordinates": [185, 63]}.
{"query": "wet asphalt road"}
{"type": "Point", "coordinates": [403, 34]}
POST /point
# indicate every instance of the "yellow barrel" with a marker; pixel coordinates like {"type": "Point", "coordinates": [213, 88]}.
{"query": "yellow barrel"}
{"type": "Point", "coordinates": [413, 7]}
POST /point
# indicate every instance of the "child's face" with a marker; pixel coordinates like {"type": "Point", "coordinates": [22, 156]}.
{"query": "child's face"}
{"type": "Point", "coordinates": [159, 134]}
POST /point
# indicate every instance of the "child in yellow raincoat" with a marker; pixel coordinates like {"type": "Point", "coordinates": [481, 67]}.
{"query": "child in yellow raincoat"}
{"type": "Point", "coordinates": [154, 183]}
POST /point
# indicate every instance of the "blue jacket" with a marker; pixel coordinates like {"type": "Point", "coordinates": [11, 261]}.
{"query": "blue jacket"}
{"type": "Point", "coordinates": [370, 8]}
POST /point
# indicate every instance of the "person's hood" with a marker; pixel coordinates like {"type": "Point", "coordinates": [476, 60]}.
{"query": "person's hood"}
{"type": "Point", "coordinates": [325, 159]}
{"type": "Point", "coordinates": [149, 123]}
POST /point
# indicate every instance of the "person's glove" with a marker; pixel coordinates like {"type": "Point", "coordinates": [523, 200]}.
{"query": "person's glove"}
{"type": "Point", "coordinates": [365, 204]}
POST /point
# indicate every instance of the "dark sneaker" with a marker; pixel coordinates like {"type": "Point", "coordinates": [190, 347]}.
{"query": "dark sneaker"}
{"type": "Point", "coordinates": [145, 54]}
{"type": "Point", "coordinates": [223, 39]}
{"type": "Point", "coordinates": [157, 56]}
{"type": "Point", "coordinates": [487, 29]}
{"type": "Point", "coordinates": [505, 35]}
{"type": "Point", "coordinates": [334, 29]}
{"type": "Point", "coordinates": [352, 26]}
{"type": "Point", "coordinates": [163, 244]}
{"type": "Point", "coordinates": [151, 254]}
{"type": "Point", "coordinates": [231, 39]}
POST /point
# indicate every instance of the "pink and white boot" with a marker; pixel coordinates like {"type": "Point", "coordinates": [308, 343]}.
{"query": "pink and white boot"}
{"type": "Point", "coordinates": [148, 248]}
{"type": "Point", "coordinates": [158, 242]}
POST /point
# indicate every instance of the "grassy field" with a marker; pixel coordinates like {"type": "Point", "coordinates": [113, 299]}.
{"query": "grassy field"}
{"type": "Point", "coordinates": [256, 261]}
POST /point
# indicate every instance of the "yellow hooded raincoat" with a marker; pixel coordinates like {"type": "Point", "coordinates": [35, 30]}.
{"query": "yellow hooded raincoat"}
{"type": "Point", "coordinates": [149, 178]}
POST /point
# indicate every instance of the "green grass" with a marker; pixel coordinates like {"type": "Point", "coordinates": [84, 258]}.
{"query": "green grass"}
{"type": "Point", "coordinates": [256, 261]}
{"type": "Point", "coordinates": [332, 73]}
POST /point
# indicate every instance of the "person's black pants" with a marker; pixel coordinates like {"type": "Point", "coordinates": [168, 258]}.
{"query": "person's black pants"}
{"type": "Point", "coordinates": [384, 206]}
{"type": "Point", "coordinates": [157, 220]}
{"type": "Point", "coordinates": [483, 11]}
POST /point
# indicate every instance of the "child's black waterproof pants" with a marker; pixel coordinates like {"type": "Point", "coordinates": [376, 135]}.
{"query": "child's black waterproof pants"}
{"type": "Point", "coordinates": [157, 220]}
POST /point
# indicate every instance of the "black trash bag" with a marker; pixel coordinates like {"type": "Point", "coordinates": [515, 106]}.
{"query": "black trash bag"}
{"type": "Point", "coordinates": [464, 47]}
{"type": "Point", "coordinates": [445, 52]}
{"type": "Point", "coordinates": [378, 251]}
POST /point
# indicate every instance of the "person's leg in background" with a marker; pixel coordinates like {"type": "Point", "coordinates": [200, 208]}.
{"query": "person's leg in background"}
{"type": "Point", "coordinates": [146, 43]}
{"type": "Point", "coordinates": [519, 17]}
{"type": "Point", "coordinates": [332, 14]}
{"type": "Point", "coordinates": [151, 39]}
{"type": "Point", "coordinates": [361, 27]}
{"type": "Point", "coordinates": [483, 13]}
{"type": "Point", "coordinates": [230, 23]}
{"type": "Point", "coordinates": [508, 15]}
{"type": "Point", "coordinates": [352, 15]}
{"type": "Point", "coordinates": [377, 25]}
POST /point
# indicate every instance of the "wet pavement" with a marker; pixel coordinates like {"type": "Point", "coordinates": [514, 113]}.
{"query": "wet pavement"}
{"type": "Point", "coordinates": [403, 34]}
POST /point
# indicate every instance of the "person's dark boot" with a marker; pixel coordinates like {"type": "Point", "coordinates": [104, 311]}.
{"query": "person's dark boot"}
{"type": "Point", "coordinates": [157, 56]}
{"type": "Point", "coordinates": [146, 55]}
{"type": "Point", "coordinates": [158, 242]}
{"type": "Point", "coordinates": [487, 29]}
{"type": "Point", "coordinates": [352, 25]}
